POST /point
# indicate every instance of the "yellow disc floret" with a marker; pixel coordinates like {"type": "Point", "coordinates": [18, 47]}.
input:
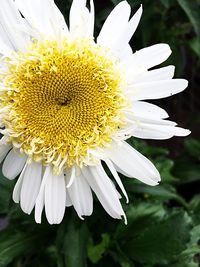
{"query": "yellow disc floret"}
{"type": "Point", "coordinates": [61, 101]}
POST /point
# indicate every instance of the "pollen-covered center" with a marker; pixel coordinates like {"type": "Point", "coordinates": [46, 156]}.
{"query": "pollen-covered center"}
{"type": "Point", "coordinates": [62, 100]}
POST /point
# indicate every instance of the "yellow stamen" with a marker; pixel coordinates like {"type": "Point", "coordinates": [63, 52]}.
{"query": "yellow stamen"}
{"type": "Point", "coordinates": [62, 101]}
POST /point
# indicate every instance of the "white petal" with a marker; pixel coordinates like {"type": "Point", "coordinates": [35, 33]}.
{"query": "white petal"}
{"type": "Point", "coordinates": [7, 45]}
{"type": "Point", "coordinates": [115, 24]}
{"type": "Point", "coordinates": [125, 132]}
{"type": "Point", "coordinates": [9, 18]}
{"type": "Point", "coordinates": [125, 53]}
{"type": "Point", "coordinates": [159, 132]}
{"type": "Point", "coordinates": [68, 200]}
{"type": "Point", "coordinates": [128, 32]}
{"type": "Point", "coordinates": [13, 164]}
{"type": "Point", "coordinates": [39, 205]}
{"type": "Point", "coordinates": [56, 19]}
{"type": "Point", "coordinates": [5, 49]}
{"type": "Point", "coordinates": [104, 190]}
{"type": "Point", "coordinates": [117, 178]}
{"type": "Point", "coordinates": [4, 148]}
{"type": "Point", "coordinates": [148, 110]}
{"type": "Point", "coordinates": [81, 20]}
{"type": "Point", "coordinates": [134, 164]}
{"type": "Point", "coordinates": [148, 57]}
{"type": "Point", "coordinates": [164, 73]}
{"type": "Point", "coordinates": [55, 197]}
{"type": "Point", "coordinates": [146, 120]}
{"type": "Point", "coordinates": [18, 186]}
{"type": "Point", "coordinates": [30, 186]}
{"type": "Point", "coordinates": [136, 120]}
{"type": "Point", "coordinates": [70, 177]}
{"type": "Point", "coordinates": [43, 16]}
{"type": "Point", "coordinates": [158, 89]}
{"type": "Point", "coordinates": [81, 195]}
{"type": "Point", "coordinates": [91, 18]}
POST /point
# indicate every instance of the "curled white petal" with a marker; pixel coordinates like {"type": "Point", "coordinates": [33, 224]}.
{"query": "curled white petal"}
{"type": "Point", "coordinates": [9, 36]}
{"type": "Point", "coordinates": [43, 16]}
{"type": "Point", "coordinates": [133, 164]}
{"type": "Point", "coordinates": [4, 148]}
{"type": "Point", "coordinates": [117, 178]}
{"type": "Point", "coordinates": [18, 186]}
{"type": "Point", "coordinates": [39, 205]}
{"type": "Point", "coordinates": [55, 197]}
{"type": "Point", "coordinates": [81, 195]}
{"type": "Point", "coordinates": [13, 164]}
{"type": "Point", "coordinates": [30, 186]}
{"type": "Point", "coordinates": [104, 190]}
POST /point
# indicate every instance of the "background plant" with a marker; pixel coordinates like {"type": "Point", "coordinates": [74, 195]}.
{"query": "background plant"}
{"type": "Point", "coordinates": [164, 221]}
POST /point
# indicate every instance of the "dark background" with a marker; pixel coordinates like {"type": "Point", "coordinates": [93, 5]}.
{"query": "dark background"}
{"type": "Point", "coordinates": [164, 221]}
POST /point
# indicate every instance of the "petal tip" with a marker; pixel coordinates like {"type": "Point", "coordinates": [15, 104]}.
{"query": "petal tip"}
{"type": "Point", "coordinates": [185, 83]}
{"type": "Point", "coordinates": [37, 220]}
{"type": "Point", "coordinates": [141, 8]}
{"type": "Point", "coordinates": [186, 132]}
{"type": "Point", "coordinates": [125, 219]}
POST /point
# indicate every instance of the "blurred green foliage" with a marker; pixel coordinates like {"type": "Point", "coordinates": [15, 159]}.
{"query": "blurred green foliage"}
{"type": "Point", "coordinates": [164, 221]}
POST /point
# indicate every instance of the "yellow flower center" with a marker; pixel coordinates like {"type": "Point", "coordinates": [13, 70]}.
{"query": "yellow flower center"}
{"type": "Point", "coordinates": [62, 101]}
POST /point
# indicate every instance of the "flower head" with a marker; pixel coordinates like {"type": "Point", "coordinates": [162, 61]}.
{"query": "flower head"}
{"type": "Point", "coordinates": [69, 102]}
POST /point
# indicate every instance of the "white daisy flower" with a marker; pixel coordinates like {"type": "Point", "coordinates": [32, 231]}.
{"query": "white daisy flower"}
{"type": "Point", "coordinates": [68, 103]}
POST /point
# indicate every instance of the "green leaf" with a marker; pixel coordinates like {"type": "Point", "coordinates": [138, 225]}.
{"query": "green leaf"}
{"type": "Point", "coordinates": [163, 192]}
{"type": "Point", "coordinates": [195, 236]}
{"type": "Point", "coordinates": [6, 187]}
{"type": "Point", "coordinates": [194, 206]}
{"type": "Point", "coordinates": [147, 149]}
{"type": "Point", "coordinates": [115, 2]}
{"type": "Point", "coordinates": [74, 242]}
{"type": "Point", "coordinates": [160, 241]}
{"type": "Point", "coordinates": [96, 252]}
{"type": "Point", "coordinates": [192, 11]}
{"type": "Point", "coordinates": [15, 244]}
{"type": "Point", "coordinates": [193, 147]}
{"type": "Point", "coordinates": [165, 167]}
{"type": "Point", "coordinates": [187, 173]}
{"type": "Point", "coordinates": [195, 45]}
{"type": "Point", "coordinates": [166, 3]}
{"type": "Point", "coordinates": [122, 259]}
{"type": "Point", "coordinates": [138, 216]}
{"type": "Point", "coordinates": [188, 255]}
